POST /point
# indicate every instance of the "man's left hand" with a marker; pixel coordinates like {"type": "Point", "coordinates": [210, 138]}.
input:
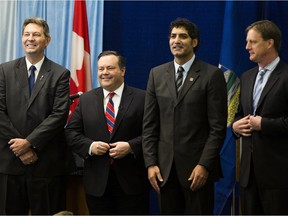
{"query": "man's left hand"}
{"type": "Point", "coordinates": [19, 146]}
{"type": "Point", "coordinates": [29, 157]}
{"type": "Point", "coordinates": [198, 177]}
{"type": "Point", "coordinates": [119, 150]}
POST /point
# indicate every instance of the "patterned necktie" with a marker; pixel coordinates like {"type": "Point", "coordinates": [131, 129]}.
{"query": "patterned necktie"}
{"type": "Point", "coordinates": [179, 79]}
{"type": "Point", "coordinates": [110, 115]}
{"type": "Point", "coordinates": [32, 78]}
{"type": "Point", "coordinates": [258, 89]}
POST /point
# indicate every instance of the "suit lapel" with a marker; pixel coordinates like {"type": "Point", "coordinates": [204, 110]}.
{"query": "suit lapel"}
{"type": "Point", "coordinates": [22, 78]}
{"type": "Point", "coordinates": [100, 112]}
{"type": "Point", "coordinates": [170, 80]}
{"type": "Point", "coordinates": [270, 83]}
{"type": "Point", "coordinates": [250, 88]}
{"type": "Point", "coordinates": [190, 79]}
{"type": "Point", "coordinates": [41, 79]}
{"type": "Point", "coordinates": [126, 99]}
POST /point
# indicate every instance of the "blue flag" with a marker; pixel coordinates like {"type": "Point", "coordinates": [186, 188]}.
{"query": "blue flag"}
{"type": "Point", "coordinates": [234, 60]}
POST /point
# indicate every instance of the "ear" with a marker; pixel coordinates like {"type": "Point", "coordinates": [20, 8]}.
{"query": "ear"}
{"type": "Point", "coordinates": [270, 43]}
{"type": "Point", "coordinates": [194, 42]}
{"type": "Point", "coordinates": [48, 39]}
{"type": "Point", "coordinates": [123, 70]}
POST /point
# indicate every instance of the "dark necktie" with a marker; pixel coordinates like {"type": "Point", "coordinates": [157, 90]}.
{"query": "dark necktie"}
{"type": "Point", "coordinates": [258, 89]}
{"type": "Point", "coordinates": [32, 78]}
{"type": "Point", "coordinates": [179, 79]}
{"type": "Point", "coordinates": [110, 114]}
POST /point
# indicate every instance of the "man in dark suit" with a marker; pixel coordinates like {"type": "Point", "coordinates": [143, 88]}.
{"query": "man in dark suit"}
{"type": "Point", "coordinates": [32, 138]}
{"type": "Point", "coordinates": [183, 130]}
{"type": "Point", "coordinates": [263, 124]}
{"type": "Point", "coordinates": [115, 179]}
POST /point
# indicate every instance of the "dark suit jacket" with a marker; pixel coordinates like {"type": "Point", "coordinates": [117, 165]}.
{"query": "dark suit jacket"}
{"type": "Point", "coordinates": [40, 118]}
{"type": "Point", "coordinates": [88, 124]}
{"type": "Point", "coordinates": [189, 129]}
{"type": "Point", "coordinates": [270, 145]}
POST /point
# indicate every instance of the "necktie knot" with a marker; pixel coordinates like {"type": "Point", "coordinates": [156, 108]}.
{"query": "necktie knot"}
{"type": "Point", "coordinates": [111, 94]}
{"type": "Point", "coordinates": [180, 69]}
{"type": "Point", "coordinates": [32, 69]}
{"type": "Point", "coordinates": [262, 72]}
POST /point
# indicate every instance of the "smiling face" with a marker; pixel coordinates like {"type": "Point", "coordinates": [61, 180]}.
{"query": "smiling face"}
{"type": "Point", "coordinates": [181, 45]}
{"type": "Point", "coordinates": [110, 75]}
{"type": "Point", "coordinates": [34, 42]}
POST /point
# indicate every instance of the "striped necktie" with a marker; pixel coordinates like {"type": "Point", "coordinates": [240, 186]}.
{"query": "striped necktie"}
{"type": "Point", "coordinates": [258, 89]}
{"type": "Point", "coordinates": [110, 114]}
{"type": "Point", "coordinates": [32, 78]}
{"type": "Point", "coordinates": [179, 79]}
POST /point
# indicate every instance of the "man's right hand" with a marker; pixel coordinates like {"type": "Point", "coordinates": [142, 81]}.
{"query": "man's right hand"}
{"type": "Point", "coordinates": [99, 148]}
{"type": "Point", "coordinates": [154, 176]}
{"type": "Point", "coordinates": [242, 126]}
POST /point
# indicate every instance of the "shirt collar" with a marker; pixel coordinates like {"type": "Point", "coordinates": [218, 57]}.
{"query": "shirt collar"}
{"type": "Point", "coordinates": [272, 65]}
{"type": "Point", "coordinates": [37, 65]}
{"type": "Point", "coordinates": [118, 91]}
{"type": "Point", "coordinates": [186, 66]}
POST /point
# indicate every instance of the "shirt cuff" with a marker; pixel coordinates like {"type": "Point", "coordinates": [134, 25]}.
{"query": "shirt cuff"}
{"type": "Point", "coordinates": [90, 149]}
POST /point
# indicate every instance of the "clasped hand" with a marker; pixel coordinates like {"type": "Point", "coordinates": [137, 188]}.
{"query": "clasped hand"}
{"type": "Point", "coordinates": [246, 125]}
{"type": "Point", "coordinates": [116, 150]}
{"type": "Point", "coordinates": [21, 148]}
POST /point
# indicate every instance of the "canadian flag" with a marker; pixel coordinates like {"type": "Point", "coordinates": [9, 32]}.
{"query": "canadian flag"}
{"type": "Point", "coordinates": [80, 80]}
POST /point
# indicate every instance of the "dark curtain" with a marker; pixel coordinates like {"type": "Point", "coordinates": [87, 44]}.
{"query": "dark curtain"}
{"type": "Point", "coordinates": [139, 31]}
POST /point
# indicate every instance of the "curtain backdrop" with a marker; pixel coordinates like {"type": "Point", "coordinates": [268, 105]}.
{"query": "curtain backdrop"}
{"type": "Point", "coordinates": [137, 29]}
{"type": "Point", "coordinates": [59, 16]}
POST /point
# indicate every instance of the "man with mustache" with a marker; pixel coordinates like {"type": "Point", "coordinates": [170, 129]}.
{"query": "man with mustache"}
{"type": "Point", "coordinates": [34, 105]}
{"type": "Point", "coordinates": [106, 130]}
{"type": "Point", "coordinates": [184, 126]}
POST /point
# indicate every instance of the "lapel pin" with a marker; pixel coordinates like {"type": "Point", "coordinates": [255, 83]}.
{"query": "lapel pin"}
{"type": "Point", "coordinates": [41, 77]}
{"type": "Point", "coordinates": [191, 79]}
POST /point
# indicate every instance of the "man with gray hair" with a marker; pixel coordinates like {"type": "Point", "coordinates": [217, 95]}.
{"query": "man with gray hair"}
{"type": "Point", "coordinates": [34, 105]}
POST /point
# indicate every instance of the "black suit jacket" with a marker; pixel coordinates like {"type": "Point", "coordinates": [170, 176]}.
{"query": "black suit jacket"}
{"type": "Point", "coordinates": [189, 129]}
{"type": "Point", "coordinates": [270, 145]}
{"type": "Point", "coordinates": [40, 118]}
{"type": "Point", "coordinates": [88, 124]}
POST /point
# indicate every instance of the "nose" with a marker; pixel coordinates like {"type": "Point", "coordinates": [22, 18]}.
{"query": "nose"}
{"type": "Point", "coordinates": [248, 46]}
{"type": "Point", "coordinates": [177, 39]}
{"type": "Point", "coordinates": [105, 71]}
{"type": "Point", "coordinates": [30, 37]}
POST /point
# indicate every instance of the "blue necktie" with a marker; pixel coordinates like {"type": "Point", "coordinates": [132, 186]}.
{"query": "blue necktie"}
{"type": "Point", "coordinates": [32, 78]}
{"type": "Point", "coordinates": [258, 89]}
